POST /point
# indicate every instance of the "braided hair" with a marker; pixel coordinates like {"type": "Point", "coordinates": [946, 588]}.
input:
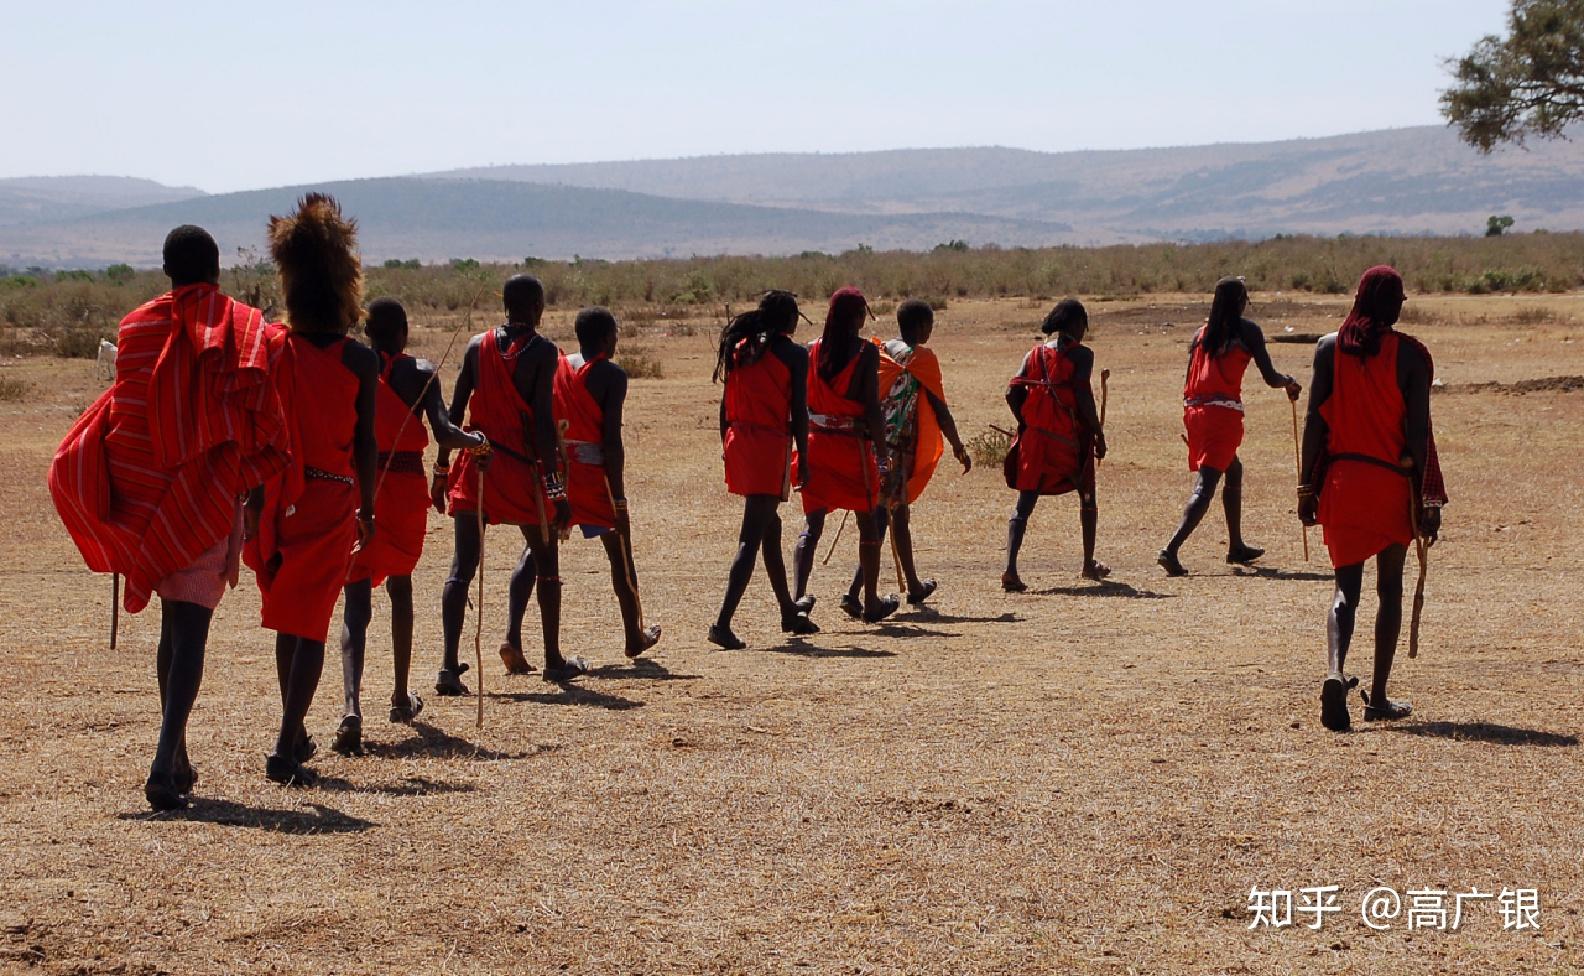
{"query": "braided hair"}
{"type": "Point", "coordinates": [777, 314]}
{"type": "Point", "coordinates": [1226, 314]}
{"type": "Point", "coordinates": [845, 303]}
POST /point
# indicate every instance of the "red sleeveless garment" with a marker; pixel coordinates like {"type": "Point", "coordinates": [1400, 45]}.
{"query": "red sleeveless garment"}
{"type": "Point", "coordinates": [401, 500]}
{"type": "Point", "coordinates": [1213, 405]}
{"type": "Point", "coordinates": [844, 474]}
{"type": "Point", "coordinates": [1367, 495]}
{"type": "Point", "coordinates": [1054, 452]}
{"type": "Point", "coordinates": [758, 448]}
{"type": "Point", "coordinates": [513, 482]}
{"type": "Point", "coordinates": [587, 490]}
{"type": "Point", "coordinates": [308, 525]}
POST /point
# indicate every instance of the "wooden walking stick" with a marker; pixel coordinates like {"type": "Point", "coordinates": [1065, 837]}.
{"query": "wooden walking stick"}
{"type": "Point", "coordinates": [478, 621]}
{"type": "Point", "coordinates": [1414, 510]}
{"type": "Point", "coordinates": [1298, 468]}
{"type": "Point", "coordinates": [115, 608]}
{"type": "Point", "coordinates": [839, 530]}
{"type": "Point", "coordinates": [1105, 374]}
{"type": "Point", "coordinates": [626, 551]}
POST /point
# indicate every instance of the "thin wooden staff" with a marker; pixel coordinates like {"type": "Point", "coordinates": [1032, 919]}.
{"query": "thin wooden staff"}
{"type": "Point", "coordinates": [1415, 507]}
{"type": "Point", "coordinates": [1298, 468]}
{"type": "Point", "coordinates": [626, 553]}
{"type": "Point", "coordinates": [478, 621]}
{"type": "Point", "coordinates": [115, 608]}
{"type": "Point", "coordinates": [839, 530]}
{"type": "Point", "coordinates": [1105, 374]}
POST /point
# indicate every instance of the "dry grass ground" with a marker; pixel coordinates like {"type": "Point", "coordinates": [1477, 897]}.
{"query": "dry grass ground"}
{"type": "Point", "coordinates": [1079, 779]}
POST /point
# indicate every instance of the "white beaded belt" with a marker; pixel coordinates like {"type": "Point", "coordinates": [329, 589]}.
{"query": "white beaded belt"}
{"type": "Point", "coordinates": [1214, 402]}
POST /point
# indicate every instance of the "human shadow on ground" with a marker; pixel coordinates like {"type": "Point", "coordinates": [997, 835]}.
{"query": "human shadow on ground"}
{"type": "Point", "coordinates": [928, 614]}
{"type": "Point", "coordinates": [1502, 735]}
{"type": "Point", "coordinates": [409, 786]}
{"type": "Point", "coordinates": [317, 819]}
{"type": "Point", "coordinates": [568, 693]}
{"type": "Point", "coordinates": [643, 668]}
{"type": "Point", "coordinates": [1108, 588]}
{"type": "Point", "coordinates": [803, 648]}
{"type": "Point", "coordinates": [429, 742]}
{"type": "Point", "coordinates": [1286, 575]}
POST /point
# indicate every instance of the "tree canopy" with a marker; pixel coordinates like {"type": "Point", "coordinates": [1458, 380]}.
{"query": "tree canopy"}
{"type": "Point", "coordinates": [1530, 83]}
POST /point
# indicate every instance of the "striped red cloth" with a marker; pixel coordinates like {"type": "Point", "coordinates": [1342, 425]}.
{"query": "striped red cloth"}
{"type": "Point", "coordinates": [148, 478]}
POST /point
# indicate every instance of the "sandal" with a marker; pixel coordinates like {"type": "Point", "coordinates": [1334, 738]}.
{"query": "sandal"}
{"type": "Point", "coordinates": [349, 737]}
{"type": "Point", "coordinates": [851, 606]}
{"type": "Point", "coordinates": [512, 657]}
{"type": "Point", "coordinates": [164, 794]}
{"type": "Point", "coordinates": [646, 639]}
{"type": "Point", "coordinates": [1095, 571]}
{"type": "Point", "coordinates": [407, 710]}
{"type": "Point", "coordinates": [287, 772]}
{"type": "Point", "coordinates": [723, 638]}
{"type": "Point", "coordinates": [1333, 704]}
{"type": "Point", "coordinates": [1011, 583]}
{"type": "Point", "coordinates": [565, 670]}
{"type": "Point", "coordinates": [926, 590]}
{"type": "Point", "coordinates": [1244, 555]}
{"type": "Point", "coordinates": [1168, 561]}
{"type": "Point", "coordinates": [798, 622]}
{"type": "Point", "coordinates": [448, 684]}
{"type": "Point", "coordinates": [1386, 710]}
{"type": "Point", "coordinates": [887, 605]}
{"type": "Point", "coordinates": [805, 604]}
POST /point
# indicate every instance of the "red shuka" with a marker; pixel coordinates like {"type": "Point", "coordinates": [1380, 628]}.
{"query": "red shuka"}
{"type": "Point", "coordinates": [758, 447]}
{"type": "Point", "coordinates": [1364, 505]}
{"type": "Point", "coordinates": [148, 478]}
{"type": "Point", "coordinates": [513, 482]}
{"type": "Point", "coordinates": [307, 528]}
{"type": "Point", "coordinates": [1054, 451]}
{"type": "Point", "coordinates": [844, 475]}
{"type": "Point", "coordinates": [401, 499]}
{"type": "Point", "coordinates": [587, 490]}
{"type": "Point", "coordinates": [1215, 432]}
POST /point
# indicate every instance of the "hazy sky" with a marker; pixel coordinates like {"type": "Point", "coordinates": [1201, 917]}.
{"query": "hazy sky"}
{"type": "Point", "coordinates": [229, 96]}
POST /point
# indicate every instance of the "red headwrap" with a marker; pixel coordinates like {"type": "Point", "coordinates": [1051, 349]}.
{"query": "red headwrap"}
{"type": "Point", "coordinates": [844, 302]}
{"type": "Point", "coordinates": [1361, 332]}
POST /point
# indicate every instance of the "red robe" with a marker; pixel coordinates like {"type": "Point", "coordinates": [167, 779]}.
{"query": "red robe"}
{"type": "Point", "coordinates": [1365, 504]}
{"type": "Point", "coordinates": [587, 490]}
{"type": "Point", "coordinates": [513, 481]}
{"type": "Point", "coordinates": [1213, 405]}
{"type": "Point", "coordinates": [148, 478]}
{"type": "Point", "coordinates": [308, 526]}
{"type": "Point", "coordinates": [1054, 451]}
{"type": "Point", "coordinates": [758, 447]}
{"type": "Point", "coordinates": [844, 475]}
{"type": "Point", "coordinates": [401, 499]}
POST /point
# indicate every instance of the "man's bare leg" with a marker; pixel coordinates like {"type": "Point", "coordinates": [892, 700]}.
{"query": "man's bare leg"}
{"type": "Point", "coordinates": [1339, 636]}
{"type": "Point", "coordinates": [306, 664]}
{"type": "Point", "coordinates": [518, 593]}
{"type": "Point", "coordinates": [758, 510]}
{"type": "Point", "coordinates": [184, 634]}
{"type": "Point", "coordinates": [876, 608]}
{"type": "Point", "coordinates": [1089, 523]}
{"type": "Point", "coordinates": [804, 552]}
{"type": "Point", "coordinates": [357, 612]}
{"type": "Point", "coordinates": [1204, 489]}
{"type": "Point", "coordinates": [405, 705]}
{"type": "Point", "coordinates": [1232, 504]}
{"type": "Point", "coordinates": [619, 554]}
{"type": "Point", "coordinates": [1017, 525]}
{"type": "Point", "coordinates": [454, 602]}
{"type": "Point", "coordinates": [1388, 627]}
{"type": "Point", "coordinates": [547, 559]}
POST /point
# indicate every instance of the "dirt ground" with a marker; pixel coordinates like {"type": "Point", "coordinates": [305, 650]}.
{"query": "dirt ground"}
{"type": "Point", "coordinates": [1080, 779]}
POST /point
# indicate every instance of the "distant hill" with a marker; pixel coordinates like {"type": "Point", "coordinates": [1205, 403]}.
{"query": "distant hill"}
{"type": "Point", "coordinates": [1399, 181]}
{"type": "Point", "coordinates": [47, 198]}
{"type": "Point", "coordinates": [1412, 180]}
{"type": "Point", "coordinates": [434, 220]}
